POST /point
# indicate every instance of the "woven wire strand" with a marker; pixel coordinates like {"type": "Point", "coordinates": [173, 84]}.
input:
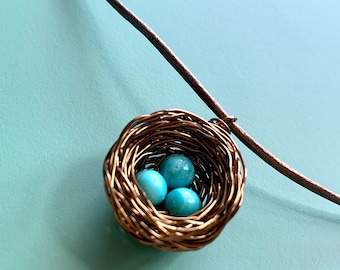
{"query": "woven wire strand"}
{"type": "Point", "coordinates": [219, 180]}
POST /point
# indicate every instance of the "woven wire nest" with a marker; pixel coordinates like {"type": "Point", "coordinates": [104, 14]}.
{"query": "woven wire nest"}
{"type": "Point", "coordinates": [219, 178]}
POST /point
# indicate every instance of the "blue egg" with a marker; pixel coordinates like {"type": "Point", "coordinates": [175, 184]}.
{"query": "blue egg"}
{"type": "Point", "coordinates": [153, 184]}
{"type": "Point", "coordinates": [182, 202]}
{"type": "Point", "coordinates": [178, 171]}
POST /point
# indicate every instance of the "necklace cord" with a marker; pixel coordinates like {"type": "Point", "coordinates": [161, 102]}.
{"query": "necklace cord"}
{"type": "Point", "coordinates": [241, 134]}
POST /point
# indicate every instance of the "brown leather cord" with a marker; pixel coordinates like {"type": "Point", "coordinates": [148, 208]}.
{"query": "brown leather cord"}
{"type": "Point", "coordinates": [241, 134]}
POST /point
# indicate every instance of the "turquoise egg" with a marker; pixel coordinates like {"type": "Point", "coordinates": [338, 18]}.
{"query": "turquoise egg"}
{"type": "Point", "coordinates": [182, 202]}
{"type": "Point", "coordinates": [177, 170]}
{"type": "Point", "coordinates": [153, 184]}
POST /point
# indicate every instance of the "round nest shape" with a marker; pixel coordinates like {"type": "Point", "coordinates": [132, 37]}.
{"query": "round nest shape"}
{"type": "Point", "coordinates": [219, 178]}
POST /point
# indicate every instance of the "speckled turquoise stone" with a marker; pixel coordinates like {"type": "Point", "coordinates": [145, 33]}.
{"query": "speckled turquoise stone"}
{"type": "Point", "coordinates": [153, 184]}
{"type": "Point", "coordinates": [178, 171]}
{"type": "Point", "coordinates": [182, 202]}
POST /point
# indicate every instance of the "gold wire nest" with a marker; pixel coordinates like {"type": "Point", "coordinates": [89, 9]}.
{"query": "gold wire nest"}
{"type": "Point", "coordinates": [219, 178]}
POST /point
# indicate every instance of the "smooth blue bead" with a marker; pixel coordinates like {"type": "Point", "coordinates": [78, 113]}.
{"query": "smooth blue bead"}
{"type": "Point", "coordinates": [182, 202]}
{"type": "Point", "coordinates": [153, 184]}
{"type": "Point", "coordinates": [177, 170]}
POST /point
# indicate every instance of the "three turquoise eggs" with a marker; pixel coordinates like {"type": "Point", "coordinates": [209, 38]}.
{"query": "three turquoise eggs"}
{"type": "Point", "coordinates": [176, 173]}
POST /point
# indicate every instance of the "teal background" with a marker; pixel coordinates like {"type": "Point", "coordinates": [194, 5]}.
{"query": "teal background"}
{"type": "Point", "coordinates": [74, 73]}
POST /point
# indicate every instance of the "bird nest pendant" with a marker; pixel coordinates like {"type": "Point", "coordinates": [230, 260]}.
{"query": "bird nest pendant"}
{"type": "Point", "coordinates": [174, 180]}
